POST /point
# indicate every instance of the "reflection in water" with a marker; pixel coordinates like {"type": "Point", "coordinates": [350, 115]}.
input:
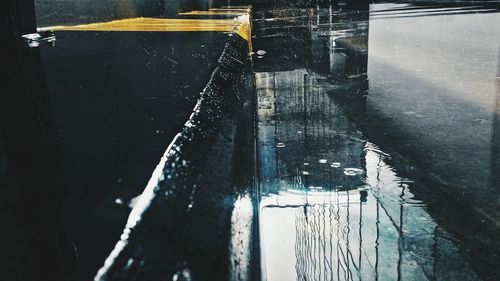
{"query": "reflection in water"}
{"type": "Point", "coordinates": [329, 225]}
{"type": "Point", "coordinates": [342, 197]}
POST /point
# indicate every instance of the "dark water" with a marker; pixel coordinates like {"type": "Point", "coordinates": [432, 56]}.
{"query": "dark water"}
{"type": "Point", "coordinates": [114, 101]}
{"type": "Point", "coordinates": [377, 138]}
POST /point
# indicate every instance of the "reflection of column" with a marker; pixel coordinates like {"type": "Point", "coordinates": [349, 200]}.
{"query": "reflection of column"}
{"type": "Point", "coordinates": [346, 57]}
{"type": "Point", "coordinates": [35, 185]}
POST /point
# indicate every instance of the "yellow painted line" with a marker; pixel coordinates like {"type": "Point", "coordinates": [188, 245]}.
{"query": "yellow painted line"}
{"type": "Point", "coordinates": [240, 25]}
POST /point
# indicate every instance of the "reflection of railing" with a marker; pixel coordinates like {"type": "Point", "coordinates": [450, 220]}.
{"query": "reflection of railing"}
{"type": "Point", "coordinates": [389, 236]}
{"type": "Point", "coordinates": [320, 254]}
{"type": "Point", "coordinates": [314, 129]}
{"type": "Point", "coordinates": [325, 247]}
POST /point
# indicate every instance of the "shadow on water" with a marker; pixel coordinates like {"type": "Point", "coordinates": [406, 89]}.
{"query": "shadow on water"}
{"type": "Point", "coordinates": [362, 142]}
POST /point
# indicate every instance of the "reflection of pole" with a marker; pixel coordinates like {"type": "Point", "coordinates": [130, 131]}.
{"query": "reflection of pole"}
{"type": "Point", "coordinates": [360, 235]}
{"type": "Point", "coordinates": [306, 144]}
{"type": "Point", "coordinates": [400, 232]}
{"type": "Point", "coordinates": [377, 222]}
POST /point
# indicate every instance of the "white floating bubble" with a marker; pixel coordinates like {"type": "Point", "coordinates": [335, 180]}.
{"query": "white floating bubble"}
{"type": "Point", "coordinates": [352, 171]}
{"type": "Point", "coordinates": [335, 165]}
{"type": "Point", "coordinates": [261, 52]}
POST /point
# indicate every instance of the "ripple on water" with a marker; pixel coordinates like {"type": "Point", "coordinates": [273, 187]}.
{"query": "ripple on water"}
{"type": "Point", "coordinates": [335, 165]}
{"type": "Point", "coordinates": [353, 171]}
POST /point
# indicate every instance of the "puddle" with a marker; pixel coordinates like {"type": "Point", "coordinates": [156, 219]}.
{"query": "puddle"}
{"type": "Point", "coordinates": [374, 95]}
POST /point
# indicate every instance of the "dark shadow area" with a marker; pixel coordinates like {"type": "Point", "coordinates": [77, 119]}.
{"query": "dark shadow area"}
{"type": "Point", "coordinates": [35, 245]}
{"type": "Point", "coordinates": [118, 99]}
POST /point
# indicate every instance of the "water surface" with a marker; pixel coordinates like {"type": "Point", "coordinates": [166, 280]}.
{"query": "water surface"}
{"type": "Point", "coordinates": [376, 136]}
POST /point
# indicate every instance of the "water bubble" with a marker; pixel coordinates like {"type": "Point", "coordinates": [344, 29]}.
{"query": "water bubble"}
{"type": "Point", "coordinates": [119, 201]}
{"type": "Point", "coordinates": [335, 165]}
{"type": "Point", "coordinates": [306, 163]}
{"type": "Point", "coordinates": [261, 52]}
{"type": "Point", "coordinates": [323, 161]}
{"type": "Point", "coordinates": [352, 171]}
{"type": "Point", "coordinates": [280, 145]}
{"type": "Point", "coordinates": [305, 173]}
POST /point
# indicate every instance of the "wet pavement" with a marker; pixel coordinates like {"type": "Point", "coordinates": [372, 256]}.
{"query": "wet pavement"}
{"type": "Point", "coordinates": [117, 100]}
{"type": "Point", "coordinates": [113, 103]}
{"type": "Point", "coordinates": [376, 136]}
{"type": "Point", "coordinates": [159, 140]}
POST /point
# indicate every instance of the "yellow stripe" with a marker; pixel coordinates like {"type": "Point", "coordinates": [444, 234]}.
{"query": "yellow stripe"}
{"type": "Point", "coordinates": [240, 25]}
{"type": "Point", "coordinates": [155, 24]}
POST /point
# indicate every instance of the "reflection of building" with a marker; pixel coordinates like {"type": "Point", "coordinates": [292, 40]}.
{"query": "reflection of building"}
{"type": "Point", "coordinates": [317, 44]}
{"type": "Point", "coordinates": [318, 142]}
{"type": "Point", "coordinates": [315, 224]}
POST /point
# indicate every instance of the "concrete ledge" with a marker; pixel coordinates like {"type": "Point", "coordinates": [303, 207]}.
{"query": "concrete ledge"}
{"type": "Point", "coordinates": [181, 224]}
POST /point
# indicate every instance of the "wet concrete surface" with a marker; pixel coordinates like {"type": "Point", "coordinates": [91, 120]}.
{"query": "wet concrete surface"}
{"type": "Point", "coordinates": [376, 142]}
{"type": "Point", "coordinates": [375, 147]}
{"type": "Point", "coordinates": [181, 227]}
{"type": "Point", "coordinates": [118, 99]}
{"type": "Point", "coordinates": [114, 102]}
